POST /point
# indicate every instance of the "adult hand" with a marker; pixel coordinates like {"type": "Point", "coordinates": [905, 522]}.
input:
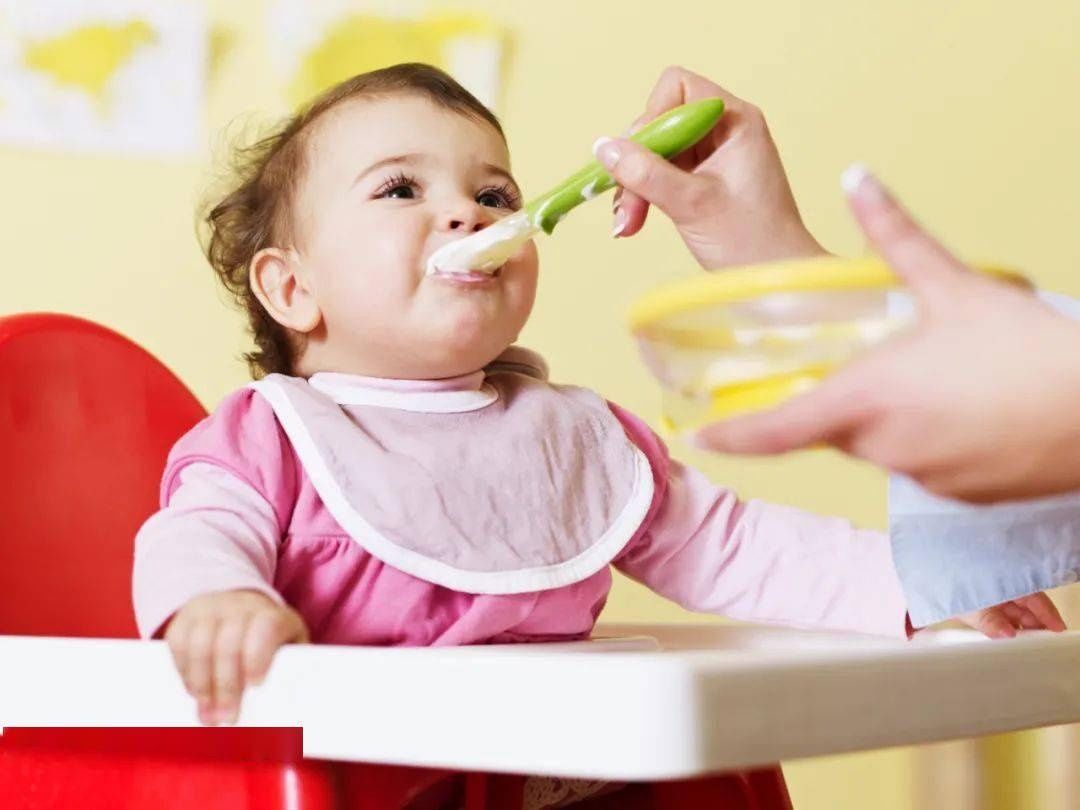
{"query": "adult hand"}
{"type": "Point", "coordinates": [979, 400]}
{"type": "Point", "coordinates": [728, 195]}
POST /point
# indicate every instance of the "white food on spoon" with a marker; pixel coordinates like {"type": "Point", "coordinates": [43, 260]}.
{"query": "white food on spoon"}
{"type": "Point", "coordinates": [486, 250]}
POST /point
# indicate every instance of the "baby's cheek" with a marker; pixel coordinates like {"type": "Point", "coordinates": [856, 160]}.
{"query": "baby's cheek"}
{"type": "Point", "coordinates": [524, 279]}
{"type": "Point", "coordinates": [377, 274]}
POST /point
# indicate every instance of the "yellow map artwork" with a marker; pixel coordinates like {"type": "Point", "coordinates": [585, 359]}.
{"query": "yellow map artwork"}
{"type": "Point", "coordinates": [362, 42]}
{"type": "Point", "coordinates": [88, 57]}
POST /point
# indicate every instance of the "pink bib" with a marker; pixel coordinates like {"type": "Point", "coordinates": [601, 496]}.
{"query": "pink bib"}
{"type": "Point", "coordinates": [512, 486]}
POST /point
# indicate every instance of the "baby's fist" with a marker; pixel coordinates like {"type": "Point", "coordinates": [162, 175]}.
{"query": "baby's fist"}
{"type": "Point", "coordinates": [222, 642]}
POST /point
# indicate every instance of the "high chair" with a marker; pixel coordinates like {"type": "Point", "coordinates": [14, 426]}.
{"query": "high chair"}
{"type": "Point", "coordinates": [86, 421]}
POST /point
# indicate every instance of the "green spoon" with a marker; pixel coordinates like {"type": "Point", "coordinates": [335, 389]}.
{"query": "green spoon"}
{"type": "Point", "coordinates": [488, 249]}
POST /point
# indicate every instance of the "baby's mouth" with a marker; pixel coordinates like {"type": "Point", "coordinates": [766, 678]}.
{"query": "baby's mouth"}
{"type": "Point", "coordinates": [469, 276]}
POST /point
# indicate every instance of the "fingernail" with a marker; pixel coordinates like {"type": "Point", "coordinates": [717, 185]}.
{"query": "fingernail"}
{"type": "Point", "coordinates": [225, 717]}
{"type": "Point", "coordinates": [634, 127]}
{"type": "Point", "coordinates": [853, 177]}
{"type": "Point", "coordinates": [607, 152]}
{"type": "Point", "coordinates": [857, 179]}
{"type": "Point", "coordinates": [620, 223]}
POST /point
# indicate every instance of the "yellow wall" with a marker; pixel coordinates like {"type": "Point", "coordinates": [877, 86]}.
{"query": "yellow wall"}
{"type": "Point", "coordinates": [967, 107]}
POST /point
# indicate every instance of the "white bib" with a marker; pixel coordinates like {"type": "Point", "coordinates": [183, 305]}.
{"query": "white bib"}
{"type": "Point", "coordinates": [516, 486]}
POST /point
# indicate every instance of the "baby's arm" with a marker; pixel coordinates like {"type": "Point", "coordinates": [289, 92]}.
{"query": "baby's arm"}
{"type": "Point", "coordinates": [763, 562]}
{"type": "Point", "coordinates": [204, 565]}
{"type": "Point", "coordinates": [754, 561]}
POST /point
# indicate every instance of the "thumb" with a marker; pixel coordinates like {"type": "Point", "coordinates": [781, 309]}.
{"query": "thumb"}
{"type": "Point", "coordinates": [920, 260]}
{"type": "Point", "coordinates": [300, 633]}
{"type": "Point", "coordinates": [675, 192]}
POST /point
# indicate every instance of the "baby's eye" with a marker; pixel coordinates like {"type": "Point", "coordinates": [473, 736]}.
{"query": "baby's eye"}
{"type": "Point", "coordinates": [400, 193]}
{"type": "Point", "coordinates": [491, 199]}
{"type": "Point", "coordinates": [398, 187]}
{"type": "Point", "coordinates": [498, 198]}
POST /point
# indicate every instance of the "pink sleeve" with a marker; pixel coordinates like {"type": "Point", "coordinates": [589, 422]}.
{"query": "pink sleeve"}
{"type": "Point", "coordinates": [243, 436]}
{"type": "Point", "coordinates": [227, 496]}
{"type": "Point", "coordinates": [758, 562]}
{"type": "Point", "coordinates": [216, 534]}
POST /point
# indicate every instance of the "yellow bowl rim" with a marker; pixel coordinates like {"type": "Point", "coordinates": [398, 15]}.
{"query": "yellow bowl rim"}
{"type": "Point", "coordinates": [793, 275]}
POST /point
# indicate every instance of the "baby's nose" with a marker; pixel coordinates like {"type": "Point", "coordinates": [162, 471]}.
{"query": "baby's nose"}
{"type": "Point", "coordinates": [467, 220]}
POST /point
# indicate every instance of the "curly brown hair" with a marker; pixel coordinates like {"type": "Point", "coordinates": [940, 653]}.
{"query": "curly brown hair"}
{"type": "Point", "coordinates": [256, 212]}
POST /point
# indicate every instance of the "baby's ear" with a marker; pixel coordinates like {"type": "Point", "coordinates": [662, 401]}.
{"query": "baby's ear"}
{"type": "Point", "coordinates": [278, 281]}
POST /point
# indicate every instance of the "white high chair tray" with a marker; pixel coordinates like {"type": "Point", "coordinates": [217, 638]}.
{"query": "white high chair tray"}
{"type": "Point", "coordinates": [655, 702]}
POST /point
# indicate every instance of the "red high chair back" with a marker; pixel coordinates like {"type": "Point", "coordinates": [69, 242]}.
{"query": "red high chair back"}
{"type": "Point", "coordinates": [87, 418]}
{"type": "Point", "coordinates": [86, 421]}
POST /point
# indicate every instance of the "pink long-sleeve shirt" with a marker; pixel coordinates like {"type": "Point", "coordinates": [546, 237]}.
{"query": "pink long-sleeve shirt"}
{"type": "Point", "coordinates": [248, 517]}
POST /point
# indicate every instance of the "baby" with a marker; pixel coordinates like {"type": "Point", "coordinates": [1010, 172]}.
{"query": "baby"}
{"type": "Point", "coordinates": [400, 473]}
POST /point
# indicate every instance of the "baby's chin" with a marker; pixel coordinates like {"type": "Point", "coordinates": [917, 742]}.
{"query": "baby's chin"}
{"type": "Point", "coordinates": [462, 342]}
{"type": "Point", "coordinates": [465, 325]}
{"type": "Point", "coordinates": [446, 362]}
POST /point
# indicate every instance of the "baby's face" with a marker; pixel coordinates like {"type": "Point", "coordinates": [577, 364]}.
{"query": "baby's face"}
{"type": "Point", "coordinates": [388, 182]}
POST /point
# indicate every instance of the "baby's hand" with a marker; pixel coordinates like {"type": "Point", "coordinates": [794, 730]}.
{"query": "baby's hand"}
{"type": "Point", "coordinates": [222, 642]}
{"type": "Point", "coordinates": [1035, 612]}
